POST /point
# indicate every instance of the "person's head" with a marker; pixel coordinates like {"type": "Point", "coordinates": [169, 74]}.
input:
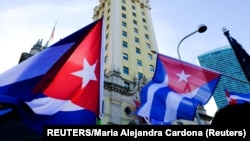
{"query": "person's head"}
{"type": "Point", "coordinates": [232, 115]}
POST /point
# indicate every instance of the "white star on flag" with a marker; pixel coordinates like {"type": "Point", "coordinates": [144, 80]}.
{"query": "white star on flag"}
{"type": "Point", "coordinates": [87, 73]}
{"type": "Point", "coordinates": [183, 76]}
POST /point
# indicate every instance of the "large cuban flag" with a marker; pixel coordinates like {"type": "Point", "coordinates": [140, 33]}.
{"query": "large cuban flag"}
{"type": "Point", "coordinates": [176, 89]}
{"type": "Point", "coordinates": [237, 98]}
{"type": "Point", "coordinates": [61, 84]}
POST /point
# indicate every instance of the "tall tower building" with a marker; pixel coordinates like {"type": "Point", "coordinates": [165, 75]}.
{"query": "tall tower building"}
{"type": "Point", "coordinates": [129, 42]}
{"type": "Point", "coordinates": [233, 77]}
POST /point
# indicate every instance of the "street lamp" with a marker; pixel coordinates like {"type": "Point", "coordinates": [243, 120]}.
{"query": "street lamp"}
{"type": "Point", "coordinates": [201, 28]}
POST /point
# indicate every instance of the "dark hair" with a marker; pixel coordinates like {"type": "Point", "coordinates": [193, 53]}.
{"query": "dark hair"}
{"type": "Point", "coordinates": [232, 115]}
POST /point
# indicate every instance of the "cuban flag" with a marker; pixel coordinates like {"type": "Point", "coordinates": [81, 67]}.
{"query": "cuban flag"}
{"type": "Point", "coordinates": [149, 121]}
{"type": "Point", "coordinates": [61, 85]}
{"type": "Point", "coordinates": [176, 89]}
{"type": "Point", "coordinates": [237, 98]}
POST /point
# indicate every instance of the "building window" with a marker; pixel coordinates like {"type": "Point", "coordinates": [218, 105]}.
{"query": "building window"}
{"type": "Point", "coordinates": [106, 47]}
{"type": "Point", "coordinates": [137, 50]}
{"type": "Point", "coordinates": [106, 59]}
{"type": "Point", "coordinates": [107, 27]}
{"type": "Point", "coordinates": [107, 35]}
{"type": "Point", "coordinates": [124, 44]}
{"type": "Point", "coordinates": [145, 27]}
{"type": "Point", "coordinates": [123, 8]}
{"type": "Point", "coordinates": [151, 68]}
{"type": "Point", "coordinates": [124, 16]}
{"type": "Point", "coordinates": [124, 24]}
{"type": "Point", "coordinates": [137, 40]}
{"type": "Point", "coordinates": [134, 14]}
{"type": "Point", "coordinates": [125, 56]}
{"type": "Point", "coordinates": [148, 45]}
{"type": "Point", "coordinates": [103, 106]}
{"type": "Point", "coordinates": [123, 1]}
{"type": "Point", "coordinates": [125, 70]}
{"type": "Point", "coordinates": [144, 20]}
{"type": "Point", "coordinates": [135, 22]}
{"type": "Point", "coordinates": [136, 30]}
{"type": "Point", "coordinates": [150, 57]}
{"type": "Point", "coordinates": [133, 7]}
{"type": "Point", "coordinates": [126, 84]}
{"type": "Point", "coordinates": [146, 36]}
{"type": "Point", "coordinates": [139, 63]}
{"type": "Point", "coordinates": [143, 13]}
{"type": "Point", "coordinates": [124, 33]}
{"type": "Point", "coordinates": [140, 75]}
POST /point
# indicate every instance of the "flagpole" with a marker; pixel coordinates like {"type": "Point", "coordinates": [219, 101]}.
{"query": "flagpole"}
{"type": "Point", "coordinates": [51, 36]}
{"type": "Point", "coordinates": [52, 32]}
{"type": "Point", "coordinates": [235, 78]}
{"type": "Point", "coordinates": [201, 28]}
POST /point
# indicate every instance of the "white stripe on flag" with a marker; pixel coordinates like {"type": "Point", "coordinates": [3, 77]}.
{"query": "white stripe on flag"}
{"type": "Point", "coordinates": [239, 98]}
{"type": "Point", "coordinates": [145, 110]}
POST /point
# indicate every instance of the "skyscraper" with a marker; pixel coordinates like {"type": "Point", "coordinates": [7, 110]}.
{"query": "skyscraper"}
{"type": "Point", "coordinates": [233, 78]}
{"type": "Point", "coordinates": [129, 42]}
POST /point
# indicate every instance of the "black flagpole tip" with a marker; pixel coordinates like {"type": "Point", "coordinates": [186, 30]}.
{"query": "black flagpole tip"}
{"type": "Point", "coordinates": [225, 31]}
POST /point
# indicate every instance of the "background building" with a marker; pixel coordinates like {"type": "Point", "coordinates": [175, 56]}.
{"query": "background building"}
{"type": "Point", "coordinates": [233, 77]}
{"type": "Point", "coordinates": [129, 62]}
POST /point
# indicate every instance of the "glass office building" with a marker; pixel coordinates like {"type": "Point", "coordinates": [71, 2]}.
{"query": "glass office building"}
{"type": "Point", "coordinates": [224, 61]}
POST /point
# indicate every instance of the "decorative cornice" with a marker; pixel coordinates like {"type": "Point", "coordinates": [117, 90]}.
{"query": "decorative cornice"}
{"type": "Point", "coordinates": [123, 90]}
{"type": "Point", "coordinates": [117, 88]}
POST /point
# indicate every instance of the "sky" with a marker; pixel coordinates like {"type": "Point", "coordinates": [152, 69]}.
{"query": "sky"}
{"type": "Point", "coordinates": [24, 22]}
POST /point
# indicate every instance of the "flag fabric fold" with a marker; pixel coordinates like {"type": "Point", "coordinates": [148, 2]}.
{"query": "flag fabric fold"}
{"type": "Point", "coordinates": [175, 91]}
{"type": "Point", "coordinates": [237, 98]}
{"type": "Point", "coordinates": [60, 85]}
